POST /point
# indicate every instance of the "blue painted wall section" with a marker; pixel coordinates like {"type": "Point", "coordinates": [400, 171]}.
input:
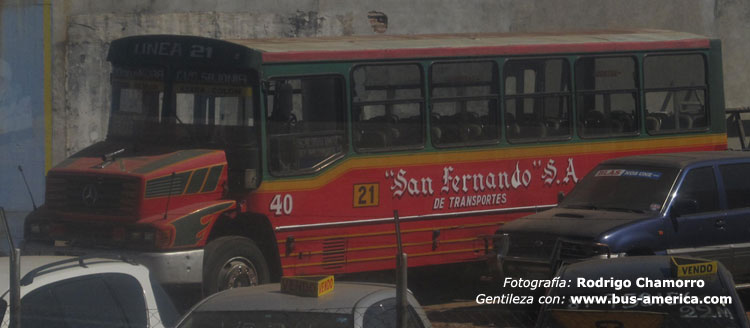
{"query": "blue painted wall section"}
{"type": "Point", "coordinates": [22, 114]}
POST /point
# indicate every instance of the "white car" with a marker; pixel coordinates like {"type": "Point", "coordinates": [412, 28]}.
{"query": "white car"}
{"type": "Point", "coordinates": [86, 292]}
{"type": "Point", "coordinates": [348, 305]}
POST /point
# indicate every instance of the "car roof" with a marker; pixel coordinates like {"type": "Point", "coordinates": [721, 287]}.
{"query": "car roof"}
{"type": "Point", "coordinates": [270, 298]}
{"type": "Point", "coordinates": [63, 267]}
{"type": "Point", "coordinates": [678, 160]}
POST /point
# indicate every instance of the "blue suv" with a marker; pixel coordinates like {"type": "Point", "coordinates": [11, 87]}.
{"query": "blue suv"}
{"type": "Point", "coordinates": [694, 204]}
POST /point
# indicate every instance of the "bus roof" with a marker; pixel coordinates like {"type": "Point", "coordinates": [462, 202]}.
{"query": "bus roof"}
{"type": "Point", "coordinates": [457, 45]}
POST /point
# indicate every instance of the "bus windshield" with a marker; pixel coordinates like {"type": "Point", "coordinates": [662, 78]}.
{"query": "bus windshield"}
{"type": "Point", "coordinates": [622, 188]}
{"type": "Point", "coordinates": [199, 107]}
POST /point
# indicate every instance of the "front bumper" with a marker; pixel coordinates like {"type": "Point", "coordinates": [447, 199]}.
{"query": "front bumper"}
{"type": "Point", "coordinates": [504, 264]}
{"type": "Point", "coordinates": [176, 267]}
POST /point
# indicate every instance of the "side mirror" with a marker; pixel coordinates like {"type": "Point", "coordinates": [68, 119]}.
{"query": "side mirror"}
{"type": "Point", "coordinates": [250, 179]}
{"type": "Point", "coordinates": [560, 196]}
{"type": "Point", "coordinates": [682, 206]}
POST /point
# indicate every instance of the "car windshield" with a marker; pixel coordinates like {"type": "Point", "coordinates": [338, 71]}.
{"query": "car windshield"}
{"type": "Point", "coordinates": [622, 188]}
{"type": "Point", "coordinates": [336, 318]}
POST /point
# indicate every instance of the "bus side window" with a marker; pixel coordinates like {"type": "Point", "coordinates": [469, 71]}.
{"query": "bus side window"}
{"type": "Point", "coordinates": [464, 103]}
{"type": "Point", "coordinates": [675, 88]}
{"type": "Point", "coordinates": [306, 123]}
{"type": "Point", "coordinates": [537, 100]}
{"type": "Point", "coordinates": [607, 93]}
{"type": "Point", "coordinates": [387, 107]}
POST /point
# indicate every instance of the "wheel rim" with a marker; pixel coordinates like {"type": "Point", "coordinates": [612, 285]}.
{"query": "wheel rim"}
{"type": "Point", "coordinates": [237, 272]}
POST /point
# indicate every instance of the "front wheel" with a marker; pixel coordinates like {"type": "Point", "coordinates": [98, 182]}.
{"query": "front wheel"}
{"type": "Point", "coordinates": [232, 262]}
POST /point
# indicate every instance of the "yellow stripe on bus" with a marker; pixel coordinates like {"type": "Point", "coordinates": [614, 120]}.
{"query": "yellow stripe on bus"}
{"type": "Point", "coordinates": [469, 156]}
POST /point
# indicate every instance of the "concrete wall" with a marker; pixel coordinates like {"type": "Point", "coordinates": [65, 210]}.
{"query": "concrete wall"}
{"type": "Point", "coordinates": [84, 28]}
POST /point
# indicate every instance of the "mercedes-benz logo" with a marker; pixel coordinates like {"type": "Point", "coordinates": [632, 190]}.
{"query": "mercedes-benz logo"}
{"type": "Point", "coordinates": [89, 194]}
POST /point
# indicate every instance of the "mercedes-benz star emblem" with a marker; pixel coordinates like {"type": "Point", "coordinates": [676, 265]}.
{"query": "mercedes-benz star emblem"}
{"type": "Point", "coordinates": [89, 194]}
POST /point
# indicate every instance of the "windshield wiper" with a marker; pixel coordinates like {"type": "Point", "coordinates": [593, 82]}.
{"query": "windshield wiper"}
{"type": "Point", "coordinates": [622, 209]}
{"type": "Point", "coordinates": [584, 206]}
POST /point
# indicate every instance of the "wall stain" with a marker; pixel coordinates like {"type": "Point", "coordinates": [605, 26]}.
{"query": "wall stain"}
{"type": "Point", "coordinates": [304, 24]}
{"type": "Point", "coordinates": [347, 24]}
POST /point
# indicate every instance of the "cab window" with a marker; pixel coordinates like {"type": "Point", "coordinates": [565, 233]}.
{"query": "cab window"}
{"type": "Point", "coordinates": [699, 190]}
{"type": "Point", "coordinates": [305, 127]}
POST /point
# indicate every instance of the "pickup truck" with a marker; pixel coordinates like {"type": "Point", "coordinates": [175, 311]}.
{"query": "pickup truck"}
{"type": "Point", "coordinates": [687, 204]}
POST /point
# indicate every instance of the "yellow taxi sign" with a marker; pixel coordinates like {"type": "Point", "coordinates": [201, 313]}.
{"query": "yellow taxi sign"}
{"type": "Point", "coordinates": [685, 267]}
{"type": "Point", "coordinates": [312, 286]}
{"type": "Point", "coordinates": [608, 318]}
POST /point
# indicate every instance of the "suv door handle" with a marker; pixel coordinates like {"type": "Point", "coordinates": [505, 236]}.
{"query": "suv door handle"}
{"type": "Point", "coordinates": [720, 224]}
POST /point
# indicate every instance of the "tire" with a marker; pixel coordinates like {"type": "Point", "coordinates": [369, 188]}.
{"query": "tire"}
{"type": "Point", "coordinates": [232, 262]}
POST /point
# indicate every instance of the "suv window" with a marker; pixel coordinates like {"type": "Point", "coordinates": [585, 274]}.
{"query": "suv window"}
{"type": "Point", "coordinates": [736, 184]}
{"type": "Point", "coordinates": [700, 185]}
{"type": "Point", "coordinates": [105, 300]}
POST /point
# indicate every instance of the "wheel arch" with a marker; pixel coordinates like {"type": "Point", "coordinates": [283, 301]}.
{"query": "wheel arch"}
{"type": "Point", "coordinates": [255, 227]}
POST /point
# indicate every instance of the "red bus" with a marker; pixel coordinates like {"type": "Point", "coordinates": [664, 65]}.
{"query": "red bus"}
{"type": "Point", "coordinates": [235, 162]}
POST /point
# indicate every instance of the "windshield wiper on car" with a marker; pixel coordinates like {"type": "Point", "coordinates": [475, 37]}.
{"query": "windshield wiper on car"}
{"type": "Point", "coordinates": [585, 206]}
{"type": "Point", "coordinates": [622, 209]}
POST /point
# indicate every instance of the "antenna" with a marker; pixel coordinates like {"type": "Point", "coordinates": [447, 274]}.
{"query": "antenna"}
{"type": "Point", "coordinates": [20, 169]}
{"type": "Point", "coordinates": [169, 195]}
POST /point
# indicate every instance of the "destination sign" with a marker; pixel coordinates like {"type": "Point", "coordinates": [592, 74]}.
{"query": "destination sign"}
{"type": "Point", "coordinates": [178, 50]}
{"type": "Point", "coordinates": [231, 78]}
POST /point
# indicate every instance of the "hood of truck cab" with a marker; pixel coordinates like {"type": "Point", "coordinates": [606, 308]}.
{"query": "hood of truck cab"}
{"type": "Point", "coordinates": [574, 223]}
{"type": "Point", "coordinates": [140, 162]}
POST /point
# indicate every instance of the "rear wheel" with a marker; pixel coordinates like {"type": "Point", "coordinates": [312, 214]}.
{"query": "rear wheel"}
{"type": "Point", "coordinates": [232, 262]}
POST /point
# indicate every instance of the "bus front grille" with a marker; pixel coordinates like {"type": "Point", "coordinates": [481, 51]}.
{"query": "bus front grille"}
{"type": "Point", "coordinates": [92, 194]}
